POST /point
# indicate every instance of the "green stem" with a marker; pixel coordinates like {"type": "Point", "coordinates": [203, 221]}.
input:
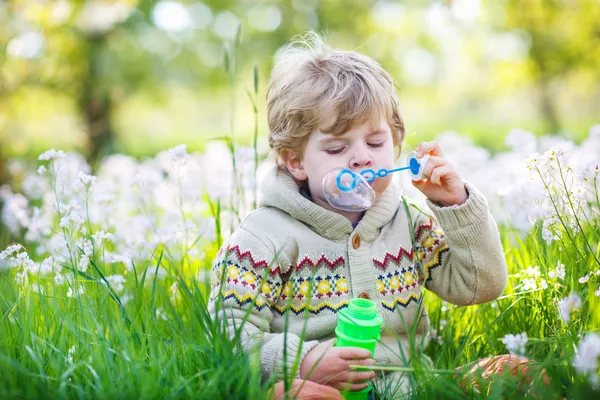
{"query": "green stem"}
{"type": "Point", "coordinates": [575, 213]}
{"type": "Point", "coordinates": [558, 215]}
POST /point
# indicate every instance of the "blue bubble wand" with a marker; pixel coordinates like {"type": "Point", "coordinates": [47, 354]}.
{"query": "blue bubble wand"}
{"type": "Point", "coordinates": [369, 175]}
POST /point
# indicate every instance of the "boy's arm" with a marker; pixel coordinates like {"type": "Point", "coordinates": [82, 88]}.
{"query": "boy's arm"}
{"type": "Point", "coordinates": [246, 282]}
{"type": "Point", "coordinates": [462, 257]}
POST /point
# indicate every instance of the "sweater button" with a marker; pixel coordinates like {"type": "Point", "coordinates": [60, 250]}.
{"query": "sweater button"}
{"type": "Point", "coordinates": [356, 241]}
{"type": "Point", "coordinates": [364, 295]}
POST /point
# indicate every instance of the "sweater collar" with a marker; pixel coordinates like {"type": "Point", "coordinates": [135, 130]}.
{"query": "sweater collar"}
{"type": "Point", "coordinates": [279, 190]}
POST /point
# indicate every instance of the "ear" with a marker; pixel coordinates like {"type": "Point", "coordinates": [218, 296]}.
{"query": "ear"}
{"type": "Point", "coordinates": [293, 163]}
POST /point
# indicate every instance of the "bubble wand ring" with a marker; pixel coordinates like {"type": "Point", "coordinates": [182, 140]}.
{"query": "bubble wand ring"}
{"type": "Point", "coordinates": [341, 186]}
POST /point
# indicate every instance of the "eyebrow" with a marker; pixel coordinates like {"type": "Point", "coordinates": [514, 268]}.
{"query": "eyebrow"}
{"type": "Point", "coordinates": [376, 131]}
{"type": "Point", "coordinates": [372, 132]}
{"type": "Point", "coordinates": [331, 140]}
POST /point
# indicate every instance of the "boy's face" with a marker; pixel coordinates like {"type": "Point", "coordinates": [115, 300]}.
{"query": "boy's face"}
{"type": "Point", "coordinates": [364, 146]}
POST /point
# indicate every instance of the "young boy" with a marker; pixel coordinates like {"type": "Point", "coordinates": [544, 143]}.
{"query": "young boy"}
{"type": "Point", "coordinates": [337, 109]}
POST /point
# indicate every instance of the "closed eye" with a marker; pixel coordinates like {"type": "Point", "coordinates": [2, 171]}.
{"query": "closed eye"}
{"type": "Point", "coordinates": [338, 151]}
{"type": "Point", "coordinates": [334, 151]}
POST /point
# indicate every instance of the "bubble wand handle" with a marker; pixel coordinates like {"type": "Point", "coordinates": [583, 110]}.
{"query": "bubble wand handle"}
{"type": "Point", "coordinates": [382, 173]}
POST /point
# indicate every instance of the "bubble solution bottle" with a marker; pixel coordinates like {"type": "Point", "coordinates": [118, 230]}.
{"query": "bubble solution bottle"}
{"type": "Point", "coordinates": [358, 326]}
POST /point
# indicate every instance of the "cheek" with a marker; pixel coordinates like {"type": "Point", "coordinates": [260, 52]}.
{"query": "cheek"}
{"type": "Point", "coordinates": [389, 155]}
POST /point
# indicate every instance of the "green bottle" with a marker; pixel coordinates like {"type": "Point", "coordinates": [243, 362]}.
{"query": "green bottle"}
{"type": "Point", "coordinates": [358, 326]}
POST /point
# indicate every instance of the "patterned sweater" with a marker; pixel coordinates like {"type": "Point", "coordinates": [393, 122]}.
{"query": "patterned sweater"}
{"type": "Point", "coordinates": [291, 254]}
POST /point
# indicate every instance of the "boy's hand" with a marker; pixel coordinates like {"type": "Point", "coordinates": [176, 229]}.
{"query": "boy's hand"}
{"type": "Point", "coordinates": [333, 366]}
{"type": "Point", "coordinates": [305, 390]}
{"type": "Point", "coordinates": [443, 185]}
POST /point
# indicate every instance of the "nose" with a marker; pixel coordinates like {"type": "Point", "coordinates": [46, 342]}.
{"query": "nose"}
{"type": "Point", "coordinates": [361, 158]}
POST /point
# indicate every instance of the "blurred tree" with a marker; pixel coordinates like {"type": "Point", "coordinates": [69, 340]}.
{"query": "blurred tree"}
{"type": "Point", "coordinates": [565, 40]}
{"type": "Point", "coordinates": [89, 52]}
{"type": "Point", "coordinates": [100, 53]}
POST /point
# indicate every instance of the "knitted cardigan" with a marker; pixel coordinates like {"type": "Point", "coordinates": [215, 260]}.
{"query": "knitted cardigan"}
{"type": "Point", "coordinates": [291, 256]}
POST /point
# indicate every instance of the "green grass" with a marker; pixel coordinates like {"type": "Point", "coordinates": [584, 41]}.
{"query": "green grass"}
{"type": "Point", "coordinates": [97, 345]}
{"type": "Point", "coordinates": [53, 346]}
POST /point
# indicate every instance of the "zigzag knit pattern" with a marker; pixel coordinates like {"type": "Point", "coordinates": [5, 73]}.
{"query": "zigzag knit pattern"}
{"type": "Point", "coordinates": [320, 285]}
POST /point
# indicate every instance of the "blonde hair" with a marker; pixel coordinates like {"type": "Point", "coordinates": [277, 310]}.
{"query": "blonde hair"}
{"type": "Point", "coordinates": [312, 82]}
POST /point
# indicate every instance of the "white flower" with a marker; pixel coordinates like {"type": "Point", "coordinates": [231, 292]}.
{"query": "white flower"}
{"type": "Point", "coordinates": [193, 253]}
{"type": "Point", "coordinates": [116, 282]}
{"type": "Point", "coordinates": [529, 284]}
{"type": "Point", "coordinates": [70, 354]}
{"type": "Point", "coordinates": [533, 161]}
{"type": "Point", "coordinates": [174, 289]}
{"type": "Point", "coordinates": [84, 181]}
{"type": "Point", "coordinates": [71, 293]}
{"type": "Point", "coordinates": [549, 234]}
{"type": "Point", "coordinates": [15, 212]}
{"type": "Point", "coordinates": [161, 314]}
{"type": "Point", "coordinates": [586, 357]}
{"type": "Point", "coordinates": [554, 153]}
{"type": "Point", "coordinates": [22, 278]}
{"type": "Point", "coordinates": [46, 266]}
{"type": "Point", "coordinates": [520, 141]}
{"type": "Point", "coordinates": [436, 337]}
{"type": "Point", "coordinates": [59, 279]}
{"type": "Point", "coordinates": [126, 298]}
{"type": "Point", "coordinates": [9, 251]}
{"type": "Point", "coordinates": [597, 292]}
{"type": "Point", "coordinates": [101, 235]}
{"type": "Point", "coordinates": [533, 271]}
{"type": "Point", "coordinates": [515, 344]}
{"type": "Point", "coordinates": [568, 304]}
{"type": "Point", "coordinates": [179, 153]}
{"type": "Point", "coordinates": [34, 186]}
{"type": "Point", "coordinates": [84, 262]}
{"type": "Point", "coordinates": [71, 220]}
{"type": "Point", "coordinates": [118, 258]}
{"type": "Point", "coordinates": [584, 279]}
{"type": "Point", "coordinates": [560, 270]}
{"type": "Point", "coordinates": [20, 261]}
{"type": "Point", "coordinates": [51, 155]}
{"type": "Point", "coordinates": [85, 245]}
{"type": "Point", "coordinates": [41, 170]}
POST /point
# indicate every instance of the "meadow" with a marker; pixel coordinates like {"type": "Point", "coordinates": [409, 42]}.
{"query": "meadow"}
{"type": "Point", "coordinates": [105, 293]}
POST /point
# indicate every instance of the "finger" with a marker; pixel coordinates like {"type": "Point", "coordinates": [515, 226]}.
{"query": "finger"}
{"type": "Point", "coordinates": [353, 387]}
{"type": "Point", "coordinates": [328, 344]}
{"type": "Point", "coordinates": [304, 390]}
{"type": "Point", "coordinates": [353, 353]}
{"type": "Point", "coordinates": [432, 148]}
{"type": "Point", "coordinates": [360, 376]}
{"type": "Point", "coordinates": [419, 184]}
{"type": "Point", "coordinates": [438, 174]}
{"type": "Point", "coordinates": [328, 393]}
{"type": "Point", "coordinates": [432, 163]}
{"type": "Point", "coordinates": [368, 362]}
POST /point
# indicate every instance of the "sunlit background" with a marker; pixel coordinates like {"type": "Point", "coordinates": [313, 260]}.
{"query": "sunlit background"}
{"type": "Point", "coordinates": [132, 139]}
{"type": "Point", "coordinates": [137, 77]}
